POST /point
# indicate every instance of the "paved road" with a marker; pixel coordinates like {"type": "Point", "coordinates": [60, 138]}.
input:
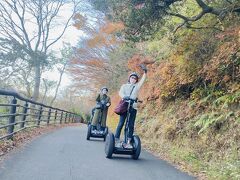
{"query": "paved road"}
{"type": "Point", "coordinates": [66, 155]}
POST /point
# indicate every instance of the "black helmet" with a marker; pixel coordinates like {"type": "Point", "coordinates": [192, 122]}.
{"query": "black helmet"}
{"type": "Point", "coordinates": [104, 88]}
{"type": "Point", "coordinates": [133, 74]}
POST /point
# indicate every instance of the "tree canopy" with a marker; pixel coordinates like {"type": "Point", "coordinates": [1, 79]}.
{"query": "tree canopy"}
{"type": "Point", "coordinates": [143, 18]}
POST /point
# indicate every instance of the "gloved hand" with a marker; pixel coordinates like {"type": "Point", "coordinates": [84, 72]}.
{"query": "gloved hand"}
{"type": "Point", "coordinates": [108, 104]}
{"type": "Point", "coordinates": [144, 68]}
{"type": "Point", "coordinates": [126, 97]}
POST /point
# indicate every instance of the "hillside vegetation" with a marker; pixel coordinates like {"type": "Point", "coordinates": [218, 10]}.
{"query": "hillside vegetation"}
{"type": "Point", "coordinates": [191, 110]}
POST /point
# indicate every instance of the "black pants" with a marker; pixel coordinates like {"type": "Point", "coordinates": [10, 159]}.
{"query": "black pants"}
{"type": "Point", "coordinates": [133, 113]}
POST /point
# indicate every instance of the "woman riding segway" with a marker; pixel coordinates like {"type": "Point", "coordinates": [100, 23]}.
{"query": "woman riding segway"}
{"type": "Point", "coordinates": [129, 93]}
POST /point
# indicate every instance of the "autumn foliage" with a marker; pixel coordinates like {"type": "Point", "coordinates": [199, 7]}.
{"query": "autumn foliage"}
{"type": "Point", "coordinates": [106, 35]}
{"type": "Point", "coordinates": [90, 66]}
{"type": "Point", "coordinates": [190, 111]}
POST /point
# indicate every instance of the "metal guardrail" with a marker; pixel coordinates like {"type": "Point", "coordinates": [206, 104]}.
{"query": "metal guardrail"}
{"type": "Point", "coordinates": [21, 113]}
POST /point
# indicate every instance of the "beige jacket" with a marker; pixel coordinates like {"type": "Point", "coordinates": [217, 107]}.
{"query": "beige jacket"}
{"type": "Point", "coordinates": [126, 89]}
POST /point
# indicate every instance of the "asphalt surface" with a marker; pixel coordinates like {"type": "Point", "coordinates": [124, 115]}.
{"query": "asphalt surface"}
{"type": "Point", "coordinates": [65, 154]}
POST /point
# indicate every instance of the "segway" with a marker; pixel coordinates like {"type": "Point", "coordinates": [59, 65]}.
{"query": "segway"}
{"type": "Point", "coordinates": [110, 146]}
{"type": "Point", "coordinates": [98, 133]}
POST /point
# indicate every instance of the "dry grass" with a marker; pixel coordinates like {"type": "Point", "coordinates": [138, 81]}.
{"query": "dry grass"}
{"type": "Point", "coordinates": [212, 154]}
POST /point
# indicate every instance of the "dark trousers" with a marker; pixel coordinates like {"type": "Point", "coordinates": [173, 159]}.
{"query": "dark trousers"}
{"type": "Point", "coordinates": [121, 122]}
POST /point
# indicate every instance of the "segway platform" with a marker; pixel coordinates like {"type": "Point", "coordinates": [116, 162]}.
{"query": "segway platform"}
{"type": "Point", "coordinates": [97, 133]}
{"type": "Point", "coordinates": [110, 147]}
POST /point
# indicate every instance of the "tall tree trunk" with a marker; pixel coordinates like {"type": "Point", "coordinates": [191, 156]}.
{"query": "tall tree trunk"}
{"type": "Point", "coordinates": [59, 83]}
{"type": "Point", "coordinates": [37, 79]}
{"type": "Point", "coordinates": [45, 92]}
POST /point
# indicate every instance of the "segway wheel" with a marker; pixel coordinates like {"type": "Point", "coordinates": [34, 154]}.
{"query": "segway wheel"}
{"type": "Point", "coordinates": [105, 133]}
{"type": "Point", "coordinates": [109, 145]}
{"type": "Point", "coordinates": [137, 147]}
{"type": "Point", "coordinates": [89, 132]}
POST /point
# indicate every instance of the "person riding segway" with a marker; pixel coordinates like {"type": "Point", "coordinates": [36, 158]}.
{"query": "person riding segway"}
{"type": "Point", "coordinates": [97, 126]}
{"type": "Point", "coordinates": [131, 144]}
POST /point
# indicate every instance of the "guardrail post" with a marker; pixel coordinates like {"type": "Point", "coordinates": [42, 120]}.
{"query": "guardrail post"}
{"type": "Point", "coordinates": [73, 118]}
{"type": "Point", "coordinates": [25, 109]}
{"type": "Point", "coordinates": [49, 115]}
{"type": "Point", "coordinates": [39, 115]}
{"type": "Point", "coordinates": [69, 118]}
{"type": "Point", "coordinates": [61, 117]}
{"type": "Point", "coordinates": [12, 118]}
{"type": "Point", "coordinates": [55, 118]}
{"type": "Point", "coordinates": [65, 117]}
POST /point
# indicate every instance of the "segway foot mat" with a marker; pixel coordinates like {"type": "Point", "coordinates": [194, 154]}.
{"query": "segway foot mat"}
{"type": "Point", "coordinates": [124, 151]}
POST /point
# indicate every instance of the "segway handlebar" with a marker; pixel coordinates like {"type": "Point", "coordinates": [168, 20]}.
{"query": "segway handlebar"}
{"type": "Point", "coordinates": [134, 101]}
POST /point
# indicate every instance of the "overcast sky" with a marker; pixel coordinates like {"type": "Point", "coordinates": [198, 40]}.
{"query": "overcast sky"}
{"type": "Point", "coordinates": [71, 36]}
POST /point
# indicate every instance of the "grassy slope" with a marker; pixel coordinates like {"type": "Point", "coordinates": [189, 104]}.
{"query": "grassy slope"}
{"type": "Point", "coordinates": [200, 133]}
{"type": "Point", "coordinates": [172, 135]}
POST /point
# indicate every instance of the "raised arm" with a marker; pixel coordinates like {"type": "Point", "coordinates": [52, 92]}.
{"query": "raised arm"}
{"type": "Point", "coordinates": [140, 83]}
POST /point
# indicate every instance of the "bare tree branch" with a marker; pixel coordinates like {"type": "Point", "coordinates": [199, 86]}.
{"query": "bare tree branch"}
{"type": "Point", "coordinates": [206, 9]}
{"type": "Point", "coordinates": [43, 15]}
{"type": "Point", "coordinates": [65, 27]}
